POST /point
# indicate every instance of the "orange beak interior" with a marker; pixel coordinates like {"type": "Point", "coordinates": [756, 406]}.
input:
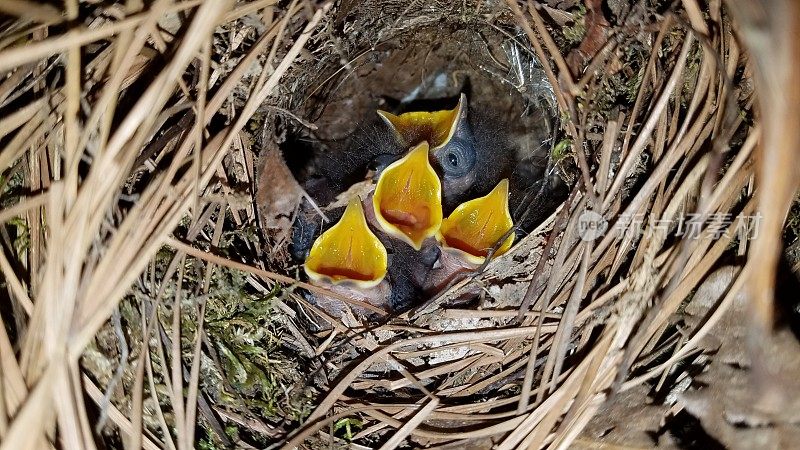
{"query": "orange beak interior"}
{"type": "Point", "coordinates": [408, 198]}
{"type": "Point", "coordinates": [476, 226]}
{"type": "Point", "coordinates": [348, 251]}
{"type": "Point", "coordinates": [435, 127]}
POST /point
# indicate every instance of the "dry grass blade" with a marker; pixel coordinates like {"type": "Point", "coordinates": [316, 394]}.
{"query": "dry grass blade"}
{"type": "Point", "coordinates": [646, 131]}
{"type": "Point", "coordinates": [406, 429]}
{"type": "Point", "coordinates": [66, 209]}
{"type": "Point", "coordinates": [31, 11]}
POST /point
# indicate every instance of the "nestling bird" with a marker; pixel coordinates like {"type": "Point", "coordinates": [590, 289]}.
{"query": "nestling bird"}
{"type": "Point", "coordinates": [348, 251]}
{"type": "Point", "coordinates": [407, 201]}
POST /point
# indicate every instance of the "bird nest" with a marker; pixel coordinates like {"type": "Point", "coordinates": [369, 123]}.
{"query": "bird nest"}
{"type": "Point", "coordinates": [155, 162]}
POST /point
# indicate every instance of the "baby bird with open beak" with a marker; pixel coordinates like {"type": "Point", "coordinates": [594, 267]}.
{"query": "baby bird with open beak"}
{"type": "Point", "coordinates": [475, 230]}
{"type": "Point", "coordinates": [350, 260]}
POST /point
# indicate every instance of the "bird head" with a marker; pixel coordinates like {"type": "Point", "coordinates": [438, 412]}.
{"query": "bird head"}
{"type": "Point", "coordinates": [451, 140]}
{"type": "Point", "coordinates": [408, 198]}
{"type": "Point", "coordinates": [348, 252]}
{"type": "Point", "coordinates": [477, 226]}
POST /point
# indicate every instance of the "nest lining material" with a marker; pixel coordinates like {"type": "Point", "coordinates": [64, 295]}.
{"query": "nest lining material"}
{"type": "Point", "coordinates": [561, 322]}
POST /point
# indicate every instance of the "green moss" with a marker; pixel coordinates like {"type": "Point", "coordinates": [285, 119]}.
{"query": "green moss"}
{"type": "Point", "coordinates": [574, 34]}
{"type": "Point", "coordinates": [22, 235]}
{"type": "Point", "coordinates": [243, 328]}
{"type": "Point", "coordinates": [347, 427]}
{"type": "Point", "coordinates": [12, 189]}
{"type": "Point", "coordinates": [633, 85]}
{"type": "Point", "coordinates": [247, 365]}
{"type": "Point", "coordinates": [561, 149]}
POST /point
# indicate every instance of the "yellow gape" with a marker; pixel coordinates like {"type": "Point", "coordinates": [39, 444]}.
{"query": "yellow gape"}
{"type": "Point", "coordinates": [477, 225]}
{"type": "Point", "coordinates": [348, 251]}
{"type": "Point", "coordinates": [436, 128]}
{"type": "Point", "coordinates": [408, 198]}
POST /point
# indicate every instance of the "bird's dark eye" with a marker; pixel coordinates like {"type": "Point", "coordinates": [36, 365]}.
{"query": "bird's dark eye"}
{"type": "Point", "coordinates": [452, 158]}
{"type": "Point", "coordinates": [457, 158]}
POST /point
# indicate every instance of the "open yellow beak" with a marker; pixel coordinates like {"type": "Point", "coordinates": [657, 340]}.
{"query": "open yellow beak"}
{"type": "Point", "coordinates": [476, 226]}
{"type": "Point", "coordinates": [348, 251]}
{"type": "Point", "coordinates": [436, 127]}
{"type": "Point", "coordinates": [408, 198]}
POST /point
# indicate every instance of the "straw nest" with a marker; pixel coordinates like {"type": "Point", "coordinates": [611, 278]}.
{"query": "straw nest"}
{"type": "Point", "coordinates": [151, 155]}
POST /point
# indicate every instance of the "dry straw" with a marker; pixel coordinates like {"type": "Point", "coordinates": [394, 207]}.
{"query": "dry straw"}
{"type": "Point", "coordinates": [590, 318]}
